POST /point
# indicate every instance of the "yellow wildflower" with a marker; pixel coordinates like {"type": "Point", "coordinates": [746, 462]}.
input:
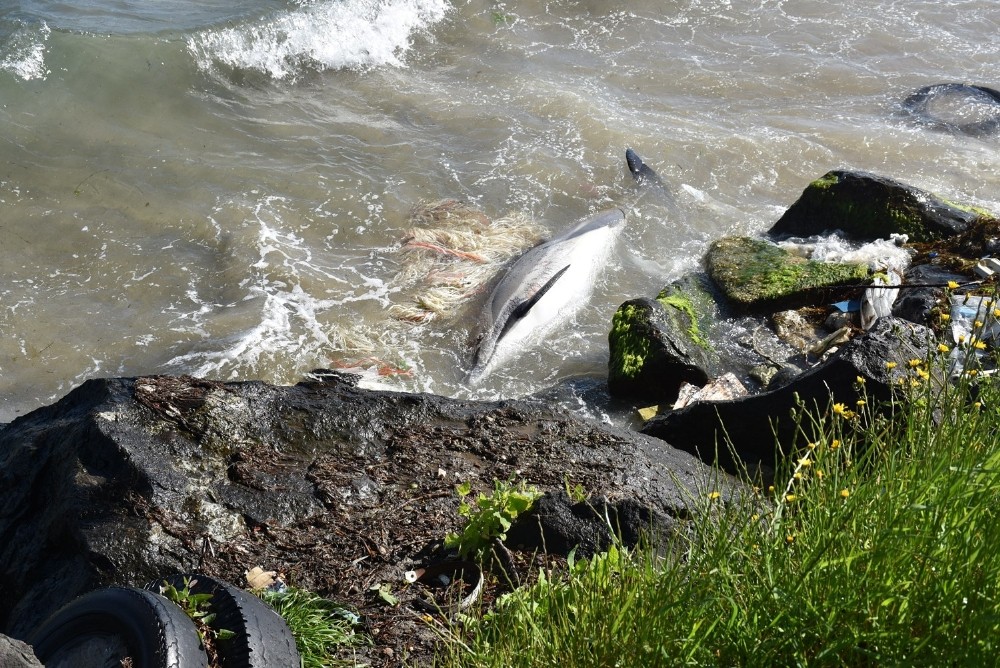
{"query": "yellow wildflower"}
{"type": "Point", "coordinates": [952, 285]}
{"type": "Point", "coordinates": [860, 380]}
{"type": "Point", "coordinates": [923, 374]}
{"type": "Point", "coordinates": [714, 495]}
{"type": "Point", "coordinates": [835, 444]}
{"type": "Point", "coordinates": [805, 462]}
{"type": "Point", "coordinates": [890, 365]}
{"type": "Point", "coordinates": [942, 348]}
{"type": "Point", "coordinates": [914, 363]}
{"type": "Point", "coordinates": [839, 409]}
{"type": "Point", "coordinates": [844, 493]}
{"type": "Point", "coordinates": [980, 345]}
{"type": "Point", "coordinates": [819, 473]}
{"type": "Point", "coordinates": [977, 324]}
{"type": "Point", "coordinates": [789, 539]}
{"type": "Point", "coordinates": [790, 498]}
{"type": "Point", "coordinates": [996, 313]}
{"type": "Point", "coordinates": [945, 317]}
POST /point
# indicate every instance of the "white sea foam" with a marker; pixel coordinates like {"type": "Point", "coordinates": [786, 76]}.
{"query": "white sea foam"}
{"type": "Point", "coordinates": [339, 34]}
{"type": "Point", "coordinates": [24, 53]}
{"type": "Point", "coordinates": [277, 328]}
{"type": "Point", "coordinates": [880, 255]}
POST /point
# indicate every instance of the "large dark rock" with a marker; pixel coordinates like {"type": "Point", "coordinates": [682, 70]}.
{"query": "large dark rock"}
{"type": "Point", "coordinates": [558, 524]}
{"type": "Point", "coordinates": [126, 480]}
{"type": "Point", "coordinates": [923, 292]}
{"type": "Point", "coordinates": [867, 207]}
{"type": "Point", "coordinates": [959, 108]}
{"type": "Point", "coordinates": [655, 348]}
{"type": "Point", "coordinates": [758, 427]}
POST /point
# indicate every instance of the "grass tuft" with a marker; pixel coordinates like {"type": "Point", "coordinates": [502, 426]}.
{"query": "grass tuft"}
{"type": "Point", "coordinates": [320, 626]}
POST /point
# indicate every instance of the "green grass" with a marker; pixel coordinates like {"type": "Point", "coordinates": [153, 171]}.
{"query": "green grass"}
{"type": "Point", "coordinates": [878, 545]}
{"type": "Point", "coordinates": [320, 626]}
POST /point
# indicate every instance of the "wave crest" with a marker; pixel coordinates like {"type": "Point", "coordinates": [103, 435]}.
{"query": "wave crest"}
{"type": "Point", "coordinates": [337, 34]}
{"type": "Point", "coordinates": [24, 53]}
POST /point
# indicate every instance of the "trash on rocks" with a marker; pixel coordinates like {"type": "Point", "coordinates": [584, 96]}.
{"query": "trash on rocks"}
{"type": "Point", "coordinates": [258, 578]}
{"type": "Point", "coordinates": [967, 311]}
{"type": "Point", "coordinates": [723, 388]}
{"type": "Point", "coordinates": [842, 335]}
{"type": "Point", "coordinates": [974, 320]}
{"type": "Point", "coordinates": [987, 267]}
{"type": "Point", "coordinates": [649, 412]}
{"type": "Point", "coordinates": [877, 301]}
{"type": "Point", "coordinates": [448, 587]}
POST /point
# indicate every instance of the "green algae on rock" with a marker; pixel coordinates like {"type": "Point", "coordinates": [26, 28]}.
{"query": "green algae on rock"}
{"type": "Point", "coordinates": [755, 274]}
{"type": "Point", "coordinates": [867, 207]}
{"type": "Point", "coordinates": [673, 297]}
{"type": "Point", "coordinates": [655, 347]}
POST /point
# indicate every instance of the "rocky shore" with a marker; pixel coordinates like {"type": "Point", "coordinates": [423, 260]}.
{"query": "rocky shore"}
{"type": "Point", "coordinates": [343, 490]}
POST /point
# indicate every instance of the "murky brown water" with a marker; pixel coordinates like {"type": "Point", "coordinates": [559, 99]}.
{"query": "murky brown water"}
{"type": "Point", "coordinates": [223, 190]}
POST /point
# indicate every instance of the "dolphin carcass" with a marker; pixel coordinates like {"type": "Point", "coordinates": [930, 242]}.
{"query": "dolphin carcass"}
{"type": "Point", "coordinates": [542, 290]}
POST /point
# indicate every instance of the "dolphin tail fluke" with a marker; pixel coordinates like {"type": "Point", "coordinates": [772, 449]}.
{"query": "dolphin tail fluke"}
{"type": "Point", "coordinates": [634, 162]}
{"type": "Point", "coordinates": [642, 172]}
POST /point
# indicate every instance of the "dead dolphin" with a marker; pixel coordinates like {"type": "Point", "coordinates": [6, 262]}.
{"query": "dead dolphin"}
{"type": "Point", "coordinates": [542, 289]}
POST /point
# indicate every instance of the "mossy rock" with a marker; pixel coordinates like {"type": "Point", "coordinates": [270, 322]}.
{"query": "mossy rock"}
{"type": "Point", "coordinates": [655, 347]}
{"type": "Point", "coordinates": [755, 274]}
{"type": "Point", "coordinates": [867, 207]}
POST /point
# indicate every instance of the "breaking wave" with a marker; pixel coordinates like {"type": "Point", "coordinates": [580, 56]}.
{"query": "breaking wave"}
{"type": "Point", "coordinates": [338, 34]}
{"type": "Point", "coordinates": [23, 54]}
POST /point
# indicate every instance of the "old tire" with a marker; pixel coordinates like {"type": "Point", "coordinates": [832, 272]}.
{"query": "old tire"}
{"type": "Point", "coordinates": [105, 626]}
{"type": "Point", "coordinates": [262, 638]}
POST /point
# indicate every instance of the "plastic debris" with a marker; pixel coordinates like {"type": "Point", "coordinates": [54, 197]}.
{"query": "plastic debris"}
{"type": "Point", "coordinates": [877, 302]}
{"type": "Point", "coordinates": [848, 305]}
{"type": "Point", "coordinates": [725, 387]}
{"type": "Point", "coordinates": [987, 267]}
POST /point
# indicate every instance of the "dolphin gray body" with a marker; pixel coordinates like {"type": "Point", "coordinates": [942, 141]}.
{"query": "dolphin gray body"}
{"type": "Point", "coordinates": [543, 289]}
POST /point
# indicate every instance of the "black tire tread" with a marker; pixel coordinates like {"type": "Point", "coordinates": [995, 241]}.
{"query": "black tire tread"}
{"type": "Point", "coordinates": [158, 633]}
{"type": "Point", "coordinates": [262, 638]}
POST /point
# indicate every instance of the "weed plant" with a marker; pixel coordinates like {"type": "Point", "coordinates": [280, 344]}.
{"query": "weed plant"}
{"type": "Point", "coordinates": [489, 516]}
{"type": "Point", "coordinates": [320, 626]}
{"type": "Point", "coordinates": [878, 545]}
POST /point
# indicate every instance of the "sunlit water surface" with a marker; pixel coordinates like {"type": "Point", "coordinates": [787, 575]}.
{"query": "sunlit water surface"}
{"type": "Point", "coordinates": [223, 188]}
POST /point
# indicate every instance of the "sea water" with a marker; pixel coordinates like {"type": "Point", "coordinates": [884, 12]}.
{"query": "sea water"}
{"type": "Point", "coordinates": [223, 188]}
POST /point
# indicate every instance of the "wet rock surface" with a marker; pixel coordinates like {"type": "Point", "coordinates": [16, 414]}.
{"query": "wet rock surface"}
{"type": "Point", "coordinates": [16, 654]}
{"type": "Point", "coordinates": [754, 424]}
{"type": "Point", "coordinates": [341, 489]}
{"type": "Point", "coordinates": [756, 275]}
{"type": "Point", "coordinates": [868, 206]}
{"type": "Point", "coordinates": [652, 352]}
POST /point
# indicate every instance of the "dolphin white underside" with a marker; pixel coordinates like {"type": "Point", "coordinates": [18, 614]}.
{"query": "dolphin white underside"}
{"type": "Point", "coordinates": [581, 257]}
